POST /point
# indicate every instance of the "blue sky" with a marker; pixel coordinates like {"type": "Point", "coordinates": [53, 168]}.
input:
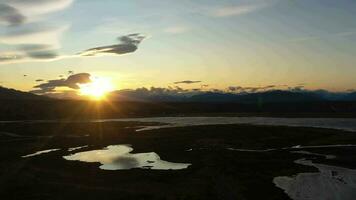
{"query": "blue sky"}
{"type": "Point", "coordinates": [221, 43]}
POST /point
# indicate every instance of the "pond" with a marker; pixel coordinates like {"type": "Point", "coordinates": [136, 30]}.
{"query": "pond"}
{"type": "Point", "coordinates": [330, 182]}
{"type": "Point", "coordinates": [119, 157]}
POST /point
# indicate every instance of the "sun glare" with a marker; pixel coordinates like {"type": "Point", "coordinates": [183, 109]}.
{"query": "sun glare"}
{"type": "Point", "coordinates": [97, 89]}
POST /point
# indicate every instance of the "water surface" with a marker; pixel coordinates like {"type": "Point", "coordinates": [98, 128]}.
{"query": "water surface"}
{"type": "Point", "coordinates": [77, 148]}
{"type": "Point", "coordinates": [331, 182]}
{"type": "Point", "coordinates": [347, 124]}
{"type": "Point", "coordinates": [118, 157]}
{"type": "Point", "coordinates": [40, 152]}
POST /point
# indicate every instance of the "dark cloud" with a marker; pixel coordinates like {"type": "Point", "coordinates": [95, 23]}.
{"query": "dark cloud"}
{"type": "Point", "coordinates": [128, 44]}
{"type": "Point", "coordinates": [71, 82]}
{"type": "Point", "coordinates": [234, 88]}
{"type": "Point", "coordinates": [34, 47]}
{"type": "Point", "coordinates": [39, 80]}
{"type": "Point", "coordinates": [28, 29]}
{"type": "Point", "coordinates": [187, 82]}
{"type": "Point", "coordinates": [42, 54]}
{"type": "Point", "coordinates": [25, 24]}
{"type": "Point", "coordinates": [25, 50]}
{"type": "Point", "coordinates": [10, 15]}
{"type": "Point", "coordinates": [35, 51]}
{"type": "Point", "coordinates": [38, 51]}
{"type": "Point", "coordinates": [239, 89]}
{"type": "Point", "coordinates": [297, 88]}
{"type": "Point", "coordinates": [153, 93]}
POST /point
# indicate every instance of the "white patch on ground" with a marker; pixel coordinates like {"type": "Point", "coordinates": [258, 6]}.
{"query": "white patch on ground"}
{"type": "Point", "coordinates": [320, 146]}
{"type": "Point", "coordinates": [334, 183]}
{"type": "Point", "coordinates": [10, 134]}
{"type": "Point", "coordinates": [40, 152]}
{"type": "Point", "coordinates": [347, 124]}
{"type": "Point", "coordinates": [77, 148]}
{"type": "Point", "coordinates": [315, 154]}
{"type": "Point", "coordinates": [251, 150]}
{"type": "Point", "coordinates": [118, 157]}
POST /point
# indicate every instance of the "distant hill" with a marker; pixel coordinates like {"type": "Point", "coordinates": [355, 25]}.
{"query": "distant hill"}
{"type": "Point", "coordinates": [11, 94]}
{"type": "Point", "coordinates": [273, 96]}
{"type": "Point", "coordinates": [18, 105]}
{"type": "Point", "coordinates": [350, 97]}
{"type": "Point", "coordinates": [260, 97]}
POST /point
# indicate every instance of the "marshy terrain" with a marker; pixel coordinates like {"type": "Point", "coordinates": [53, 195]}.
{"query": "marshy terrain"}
{"type": "Point", "coordinates": [226, 161]}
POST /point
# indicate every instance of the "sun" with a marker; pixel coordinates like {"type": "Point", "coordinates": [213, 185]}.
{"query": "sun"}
{"type": "Point", "coordinates": [97, 89]}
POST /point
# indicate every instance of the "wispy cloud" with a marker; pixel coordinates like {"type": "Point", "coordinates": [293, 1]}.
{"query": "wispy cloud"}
{"type": "Point", "coordinates": [128, 44]}
{"type": "Point", "coordinates": [241, 8]}
{"type": "Point", "coordinates": [32, 9]}
{"type": "Point", "coordinates": [187, 82]}
{"type": "Point", "coordinates": [24, 27]}
{"type": "Point", "coordinates": [31, 34]}
{"type": "Point", "coordinates": [10, 15]}
{"type": "Point", "coordinates": [229, 11]}
{"type": "Point", "coordinates": [46, 52]}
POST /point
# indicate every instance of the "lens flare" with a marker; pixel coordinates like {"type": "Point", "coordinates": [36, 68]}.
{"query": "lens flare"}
{"type": "Point", "coordinates": [97, 89]}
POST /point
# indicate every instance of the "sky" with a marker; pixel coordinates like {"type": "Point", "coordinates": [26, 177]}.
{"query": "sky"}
{"type": "Point", "coordinates": [190, 43]}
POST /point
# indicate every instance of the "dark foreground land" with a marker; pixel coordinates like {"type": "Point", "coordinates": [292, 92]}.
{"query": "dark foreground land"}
{"type": "Point", "coordinates": [215, 173]}
{"type": "Point", "coordinates": [73, 109]}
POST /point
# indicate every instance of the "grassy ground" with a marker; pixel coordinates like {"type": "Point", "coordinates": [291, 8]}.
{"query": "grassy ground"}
{"type": "Point", "coordinates": [215, 173]}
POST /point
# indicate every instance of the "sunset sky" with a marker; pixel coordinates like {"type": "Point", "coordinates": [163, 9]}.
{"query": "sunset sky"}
{"type": "Point", "coordinates": [250, 43]}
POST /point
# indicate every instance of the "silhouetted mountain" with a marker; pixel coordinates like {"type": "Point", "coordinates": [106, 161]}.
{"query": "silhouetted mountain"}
{"type": "Point", "coordinates": [139, 103]}
{"type": "Point", "coordinates": [260, 97]}
{"type": "Point", "coordinates": [11, 94]}
{"type": "Point", "coordinates": [350, 97]}
{"type": "Point", "coordinates": [273, 96]}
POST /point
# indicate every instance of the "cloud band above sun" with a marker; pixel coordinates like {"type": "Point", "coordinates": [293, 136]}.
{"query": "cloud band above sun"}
{"type": "Point", "coordinates": [128, 44]}
{"type": "Point", "coordinates": [28, 31]}
{"type": "Point", "coordinates": [41, 51]}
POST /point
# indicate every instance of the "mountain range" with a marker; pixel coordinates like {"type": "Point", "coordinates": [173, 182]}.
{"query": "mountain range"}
{"type": "Point", "coordinates": [273, 96]}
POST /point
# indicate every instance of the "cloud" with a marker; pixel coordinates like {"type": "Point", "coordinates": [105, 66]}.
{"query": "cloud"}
{"type": "Point", "coordinates": [48, 52]}
{"type": "Point", "coordinates": [27, 30]}
{"type": "Point", "coordinates": [10, 56]}
{"type": "Point", "coordinates": [39, 80]}
{"type": "Point", "coordinates": [240, 89]}
{"type": "Point", "coordinates": [34, 47]}
{"type": "Point", "coordinates": [153, 93]}
{"type": "Point", "coordinates": [187, 82]}
{"type": "Point", "coordinates": [233, 11]}
{"type": "Point", "coordinates": [34, 34]}
{"type": "Point", "coordinates": [42, 54]}
{"type": "Point", "coordinates": [10, 15]}
{"type": "Point", "coordinates": [33, 8]}
{"type": "Point", "coordinates": [128, 44]}
{"type": "Point", "coordinates": [228, 11]}
{"type": "Point", "coordinates": [70, 82]}
{"type": "Point", "coordinates": [32, 43]}
{"type": "Point", "coordinates": [234, 88]}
